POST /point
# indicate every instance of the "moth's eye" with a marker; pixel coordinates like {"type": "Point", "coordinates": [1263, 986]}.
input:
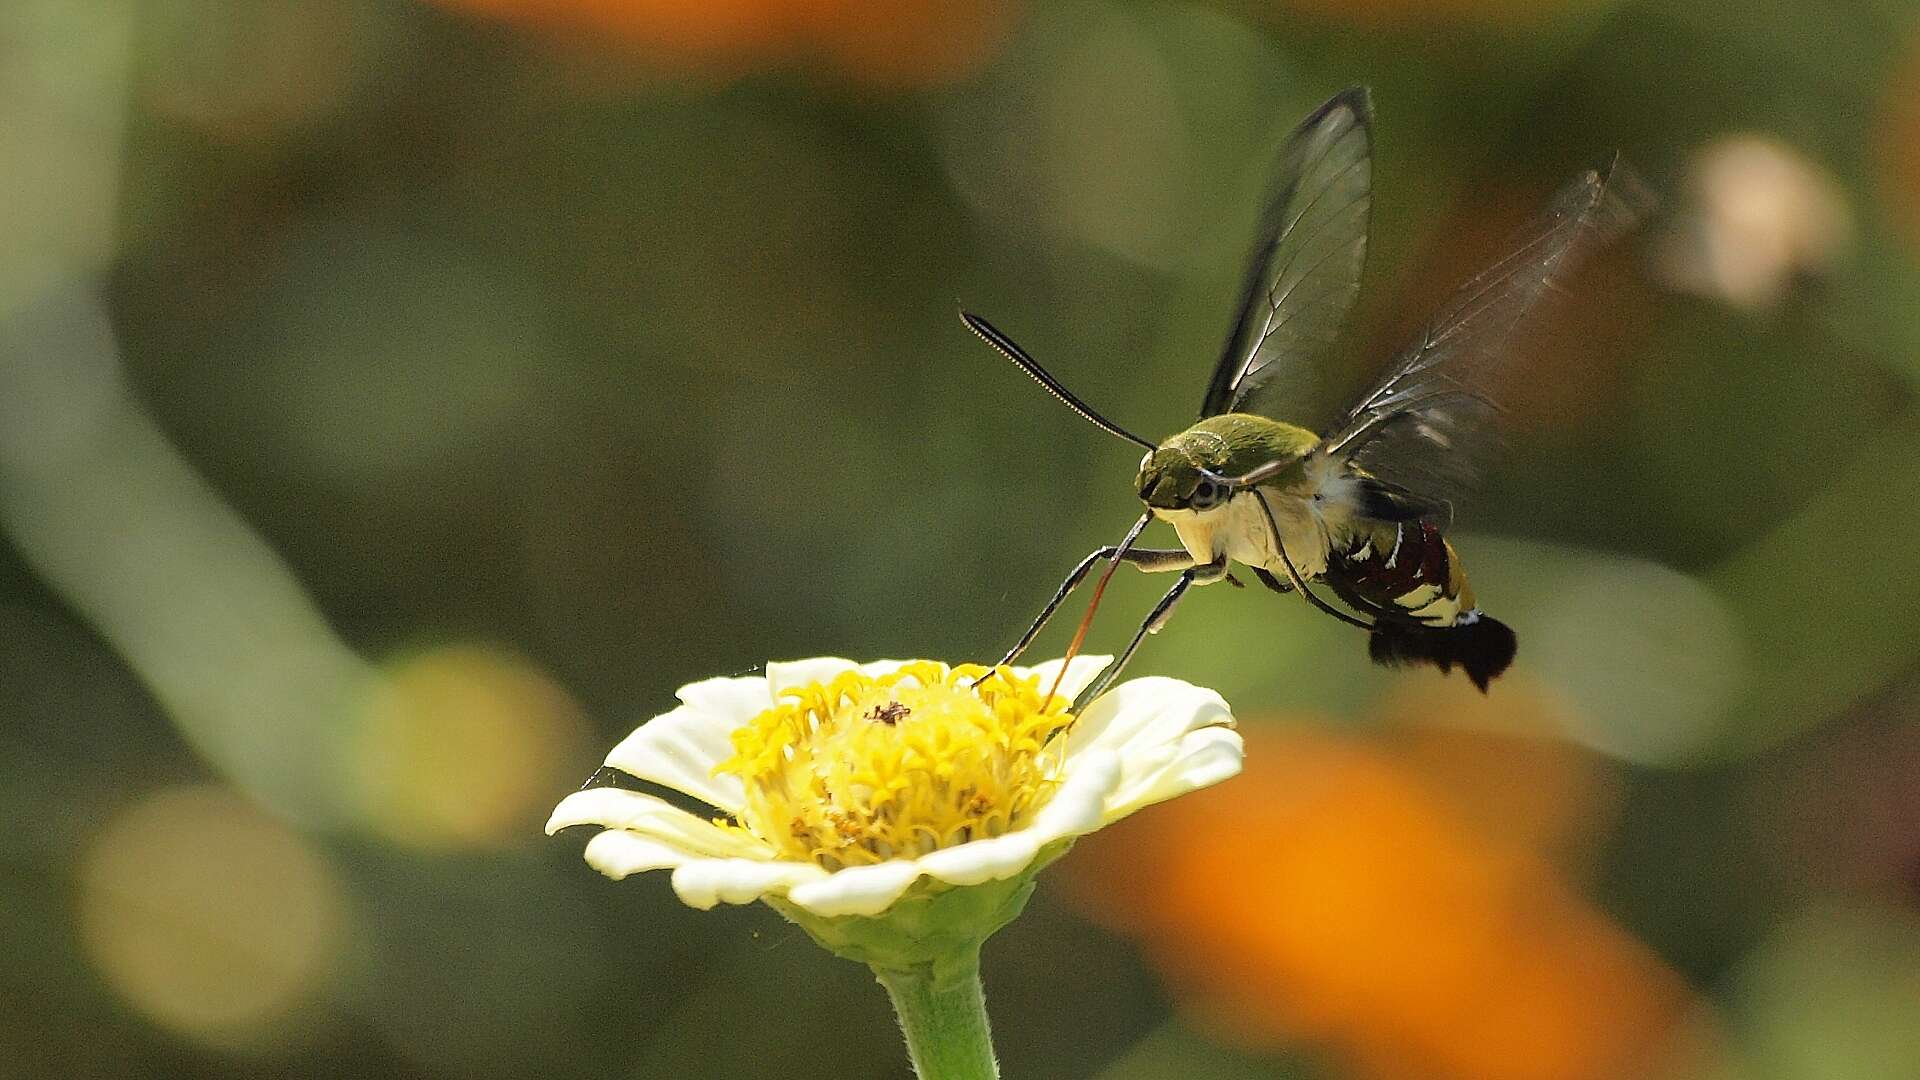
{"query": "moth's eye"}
{"type": "Point", "coordinates": [1205, 496]}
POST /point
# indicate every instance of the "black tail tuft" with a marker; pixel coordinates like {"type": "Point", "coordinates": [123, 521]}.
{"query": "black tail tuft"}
{"type": "Point", "coordinates": [1483, 648]}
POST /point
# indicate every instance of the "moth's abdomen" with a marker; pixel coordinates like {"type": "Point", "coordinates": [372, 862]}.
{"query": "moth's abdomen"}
{"type": "Point", "coordinates": [1409, 571]}
{"type": "Point", "coordinates": [1405, 567]}
{"type": "Point", "coordinates": [1482, 645]}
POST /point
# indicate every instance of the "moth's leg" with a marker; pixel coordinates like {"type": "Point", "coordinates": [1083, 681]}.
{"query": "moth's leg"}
{"type": "Point", "coordinates": [1300, 586]}
{"type": "Point", "coordinates": [1208, 573]}
{"type": "Point", "coordinates": [1266, 578]}
{"type": "Point", "coordinates": [1156, 619]}
{"type": "Point", "coordinates": [1150, 560]}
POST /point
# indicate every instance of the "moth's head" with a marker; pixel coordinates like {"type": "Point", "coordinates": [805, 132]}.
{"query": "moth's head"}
{"type": "Point", "coordinates": [1175, 474]}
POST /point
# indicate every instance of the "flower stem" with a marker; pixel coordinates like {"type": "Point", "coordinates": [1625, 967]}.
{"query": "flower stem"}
{"type": "Point", "coordinates": [944, 1016]}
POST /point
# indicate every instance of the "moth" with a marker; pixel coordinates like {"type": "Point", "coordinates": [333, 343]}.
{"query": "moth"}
{"type": "Point", "coordinates": [1357, 504]}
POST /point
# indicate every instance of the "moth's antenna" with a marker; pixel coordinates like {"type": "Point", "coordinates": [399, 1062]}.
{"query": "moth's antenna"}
{"type": "Point", "coordinates": [1005, 347]}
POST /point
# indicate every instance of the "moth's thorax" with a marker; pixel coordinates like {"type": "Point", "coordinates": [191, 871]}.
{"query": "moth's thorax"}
{"type": "Point", "coordinates": [1234, 443]}
{"type": "Point", "coordinates": [1231, 444]}
{"type": "Point", "coordinates": [1314, 508]}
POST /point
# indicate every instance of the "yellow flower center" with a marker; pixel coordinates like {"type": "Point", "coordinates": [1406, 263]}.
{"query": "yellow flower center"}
{"type": "Point", "coordinates": [864, 769]}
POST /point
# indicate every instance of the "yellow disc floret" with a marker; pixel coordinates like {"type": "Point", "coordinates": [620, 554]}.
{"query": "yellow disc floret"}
{"type": "Point", "coordinates": [867, 768]}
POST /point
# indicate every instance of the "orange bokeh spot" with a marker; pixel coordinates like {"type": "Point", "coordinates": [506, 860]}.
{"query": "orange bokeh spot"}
{"type": "Point", "coordinates": [892, 44]}
{"type": "Point", "coordinates": [1331, 896]}
{"type": "Point", "coordinates": [1499, 765]}
{"type": "Point", "coordinates": [910, 42]}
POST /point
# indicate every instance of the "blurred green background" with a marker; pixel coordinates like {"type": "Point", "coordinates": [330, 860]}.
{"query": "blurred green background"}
{"type": "Point", "coordinates": [399, 400]}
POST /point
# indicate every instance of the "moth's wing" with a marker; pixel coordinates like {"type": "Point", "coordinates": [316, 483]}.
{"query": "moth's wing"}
{"type": "Point", "coordinates": [1304, 272]}
{"type": "Point", "coordinates": [1429, 421]}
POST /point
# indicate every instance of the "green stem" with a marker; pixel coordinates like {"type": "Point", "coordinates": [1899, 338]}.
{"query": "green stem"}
{"type": "Point", "coordinates": [944, 1017]}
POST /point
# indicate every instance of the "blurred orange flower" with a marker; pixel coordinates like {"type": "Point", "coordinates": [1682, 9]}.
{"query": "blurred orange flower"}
{"type": "Point", "coordinates": [896, 43]}
{"type": "Point", "coordinates": [1332, 896]}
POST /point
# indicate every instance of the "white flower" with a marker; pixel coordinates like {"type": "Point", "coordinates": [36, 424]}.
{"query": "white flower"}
{"type": "Point", "coordinates": [837, 787]}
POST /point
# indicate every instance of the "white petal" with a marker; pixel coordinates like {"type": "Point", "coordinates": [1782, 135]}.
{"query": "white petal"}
{"type": "Point", "coordinates": [738, 698]}
{"type": "Point", "coordinates": [858, 890]}
{"type": "Point", "coordinates": [1169, 737]}
{"type": "Point", "coordinates": [618, 854]}
{"type": "Point", "coordinates": [1079, 674]}
{"type": "Point", "coordinates": [983, 860]}
{"type": "Point", "coordinates": [1138, 717]}
{"type": "Point", "coordinates": [877, 668]}
{"type": "Point", "coordinates": [656, 819]}
{"type": "Point", "coordinates": [702, 883]}
{"type": "Point", "coordinates": [783, 676]}
{"type": "Point", "coordinates": [699, 882]}
{"type": "Point", "coordinates": [1080, 806]}
{"type": "Point", "coordinates": [1201, 759]}
{"type": "Point", "coordinates": [679, 749]}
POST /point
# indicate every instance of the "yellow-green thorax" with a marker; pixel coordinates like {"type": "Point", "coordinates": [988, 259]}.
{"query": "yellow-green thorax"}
{"type": "Point", "coordinates": [1226, 445]}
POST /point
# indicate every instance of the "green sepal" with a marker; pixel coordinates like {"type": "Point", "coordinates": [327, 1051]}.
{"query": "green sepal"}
{"type": "Point", "coordinates": [935, 927]}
